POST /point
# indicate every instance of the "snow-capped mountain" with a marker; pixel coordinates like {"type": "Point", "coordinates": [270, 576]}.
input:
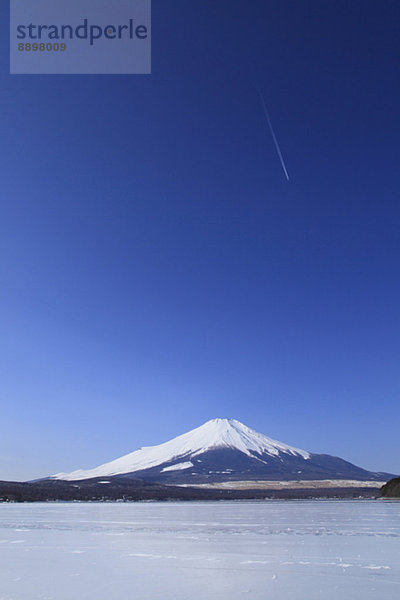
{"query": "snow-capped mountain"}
{"type": "Point", "coordinates": [223, 450]}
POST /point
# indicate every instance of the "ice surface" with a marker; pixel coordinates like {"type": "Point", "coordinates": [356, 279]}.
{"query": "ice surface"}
{"type": "Point", "coordinates": [217, 433]}
{"type": "Point", "coordinates": [304, 550]}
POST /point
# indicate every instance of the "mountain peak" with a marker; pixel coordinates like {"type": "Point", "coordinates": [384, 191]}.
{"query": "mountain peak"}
{"type": "Point", "coordinates": [220, 433]}
{"type": "Point", "coordinates": [233, 434]}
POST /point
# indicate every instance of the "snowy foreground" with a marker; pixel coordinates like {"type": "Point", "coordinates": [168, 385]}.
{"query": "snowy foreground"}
{"type": "Point", "coordinates": [228, 550]}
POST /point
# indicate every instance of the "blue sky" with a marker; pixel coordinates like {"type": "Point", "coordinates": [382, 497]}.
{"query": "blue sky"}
{"type": "Point", "coordinates": [157, 269]}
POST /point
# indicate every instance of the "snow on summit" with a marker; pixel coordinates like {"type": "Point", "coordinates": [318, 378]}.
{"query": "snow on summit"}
{"type": "Point", "coordinates": [215, 434]}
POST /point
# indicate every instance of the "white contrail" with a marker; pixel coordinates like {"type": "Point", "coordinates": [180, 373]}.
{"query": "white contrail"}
{"type": "Point", "coordinates": [273, 134]}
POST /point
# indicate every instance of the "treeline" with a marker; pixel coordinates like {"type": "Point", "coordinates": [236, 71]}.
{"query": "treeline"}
{"type": "Point", "coordinates": [130, 490]}
{"type": "Point", "coordinates": [391, 489]}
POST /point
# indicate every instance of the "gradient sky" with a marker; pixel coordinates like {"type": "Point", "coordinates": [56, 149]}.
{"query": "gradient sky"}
{"type": "Point", "coordinates": [157, 268]}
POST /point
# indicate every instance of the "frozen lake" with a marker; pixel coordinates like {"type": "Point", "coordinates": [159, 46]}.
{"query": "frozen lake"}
{"type": "Point", "coordinates": [228, 550]}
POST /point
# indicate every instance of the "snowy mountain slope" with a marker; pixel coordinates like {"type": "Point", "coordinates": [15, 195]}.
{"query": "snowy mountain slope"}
{"type": "Point", "coordinates": [223, 449]}
{"type": "Point", "coordinates": [217, 433]}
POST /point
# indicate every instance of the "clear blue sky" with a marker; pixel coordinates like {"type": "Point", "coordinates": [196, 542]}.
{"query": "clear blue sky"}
{"type": "Point", "coordinates": [157, 269]}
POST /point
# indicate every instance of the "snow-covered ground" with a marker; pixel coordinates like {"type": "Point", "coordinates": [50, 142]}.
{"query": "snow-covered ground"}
{"type": "Point", "coordinates": [179, 551]}
{"type": "Point", "coordinates": [294, 485]}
